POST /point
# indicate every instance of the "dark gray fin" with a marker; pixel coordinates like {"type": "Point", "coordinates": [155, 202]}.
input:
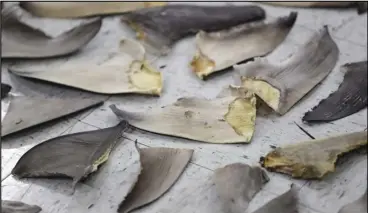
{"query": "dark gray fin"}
{"type": "Point", "coordinates": [74, 156]}
{"type": "Point", "coordinates": [8, 206]}
{"type": "Point", "coordinates": [160, 27]}
{"type": "Point", "coordinates": [161, 168]}
{"type": "Point", "coordinates": [349, 98]}
{"type": "Point", "coordinates": [5, 89]}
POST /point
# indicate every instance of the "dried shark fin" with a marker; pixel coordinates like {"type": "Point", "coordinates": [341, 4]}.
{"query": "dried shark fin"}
{"type": "Point", "coordinates": [282, 86]}
{"type": "Point", "coordinates": [285, 203]}
{"type": "Point", "coordinates": [358, 206]}
{"type": "Point", "coordinates": [312, 159]}
{"type": "Point", "coordinates": [161, 168]}
{"type": "Point", "coordinates": [217, 51]}
{"type": "Point", "coordinates": [18, 40]}
{"type": "Point", "coordinates": [127, 72]}
{"type": "Point", "coordinates": [25, 112]}
{"type": "Point", "coordinates": [237, 184]}
{"type": "Point", "coordinates": [229, 120]}
{"type": "Point", "coordinates": [361, 6]}
{"type": "Point", "coordinates": [75, 155]}
{"type": "Point", "coordinates": [158, 28]}
{"type": "Point", "coordinates": [9, 206]}
{"type": "Point", "coordinates": [350, 97]}
{"type": "Point", "coordinates": [5, 89]}
{"type": "Point", "coordinates": [83, 9]}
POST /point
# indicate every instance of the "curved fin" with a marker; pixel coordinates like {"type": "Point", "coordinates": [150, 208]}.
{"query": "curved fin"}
{"type": "Point", "coordinates": [75, 155]}
{"type": "Point", "coordinates": [19, 40]}
{"type": "Point", "coordinates": [349, 98]}
{"type": "Point", "coordinates": [25, 112]}
{"type": "Point", "coordinates": [161, 168]}
{"type": "Point", "coordinates": [282, 86]}
{"type": "Point", "coordinates": [160, 27]}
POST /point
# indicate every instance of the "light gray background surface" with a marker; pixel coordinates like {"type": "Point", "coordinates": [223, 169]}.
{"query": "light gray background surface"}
{"type": "Point", "coordinates": [109, 185]}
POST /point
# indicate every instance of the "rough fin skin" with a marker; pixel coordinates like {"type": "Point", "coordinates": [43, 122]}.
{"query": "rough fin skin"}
{"type": "Point", "coordinates": [230, 120]}
{"type": "Point", "coordinates": [25, 112]}
{"type": "Point", "coordinates": [83, 9]}
{"type": "Point", "coordinates": [281, 86]}
{"type": "Point", "coordinates": [219, 50]}
{"type": "Point", "coordinates": [19, 40]}
{"type": "Point", "coordinates": [75, 155]}
{"type": "Point", "coordinates": [160, 27]}
{"type": "Point", "coordinates": [8, 206]}
{"type": "Point", "coordinates": [5, 89]}
{"type": "Point", "coordinates": [312, 159]}
{"type": "Point", "coordinates": [350, 97]}
{"type": "Point", "coordinates": [357, 206]}
{"type": "Point", "coordinates": [237, 184]}
{"type": "Point", "coordinates": [161, 168]}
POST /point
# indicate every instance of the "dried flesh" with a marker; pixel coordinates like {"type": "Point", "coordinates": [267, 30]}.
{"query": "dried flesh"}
{"type": "Point", "coordinates": [282, 86]}
{"type": "Point", "coordinates": [161, 168]}
{"type": "Point", "coordinates": [237, 184]}
{"type": "Point", "coordinates": [83, 9]}
{"type": "Point", "coordinates": [223, 49]}
{"type": "Point", "coordinates": [25, 112]}
{"type": "Point", "coordinates": [160, 27]}
{"type": "Point", "coordinates": [350, 97]}
{"type": "Point", "coordinates": [127, 72]}
{"type": "Point", "coordinates": [19, 40]}
{"type": "Point", "coordinates": [9, 206]}
{"type": "Point", "coordinates": [223, 120]}
{"type": "Point", "coordinates": [313, 159]}
{"type": "Point", "coordinates": [74, 155]}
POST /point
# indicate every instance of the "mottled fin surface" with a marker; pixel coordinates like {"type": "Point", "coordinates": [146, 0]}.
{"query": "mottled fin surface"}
{"type": "Point", "coordinates": [349, 98]}
{"type": "Point", "coordinates": [19, 40]}
{"type": "Point", "coordinates": [230, 119]}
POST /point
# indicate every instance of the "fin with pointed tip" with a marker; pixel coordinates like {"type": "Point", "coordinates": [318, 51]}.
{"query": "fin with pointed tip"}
{"type": "Point", "coordinates": [25, 112]}
{"type": "Point", "coordinates": [282, 85]}
{"type": "Point", "coordinates": [159, 27]}
{"type": "Point", "coordinates": [19, 40]}
{"type": "Point", "coordinates": [74, 155]}
{"type": "Point", "coordinates": [350, 97]}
